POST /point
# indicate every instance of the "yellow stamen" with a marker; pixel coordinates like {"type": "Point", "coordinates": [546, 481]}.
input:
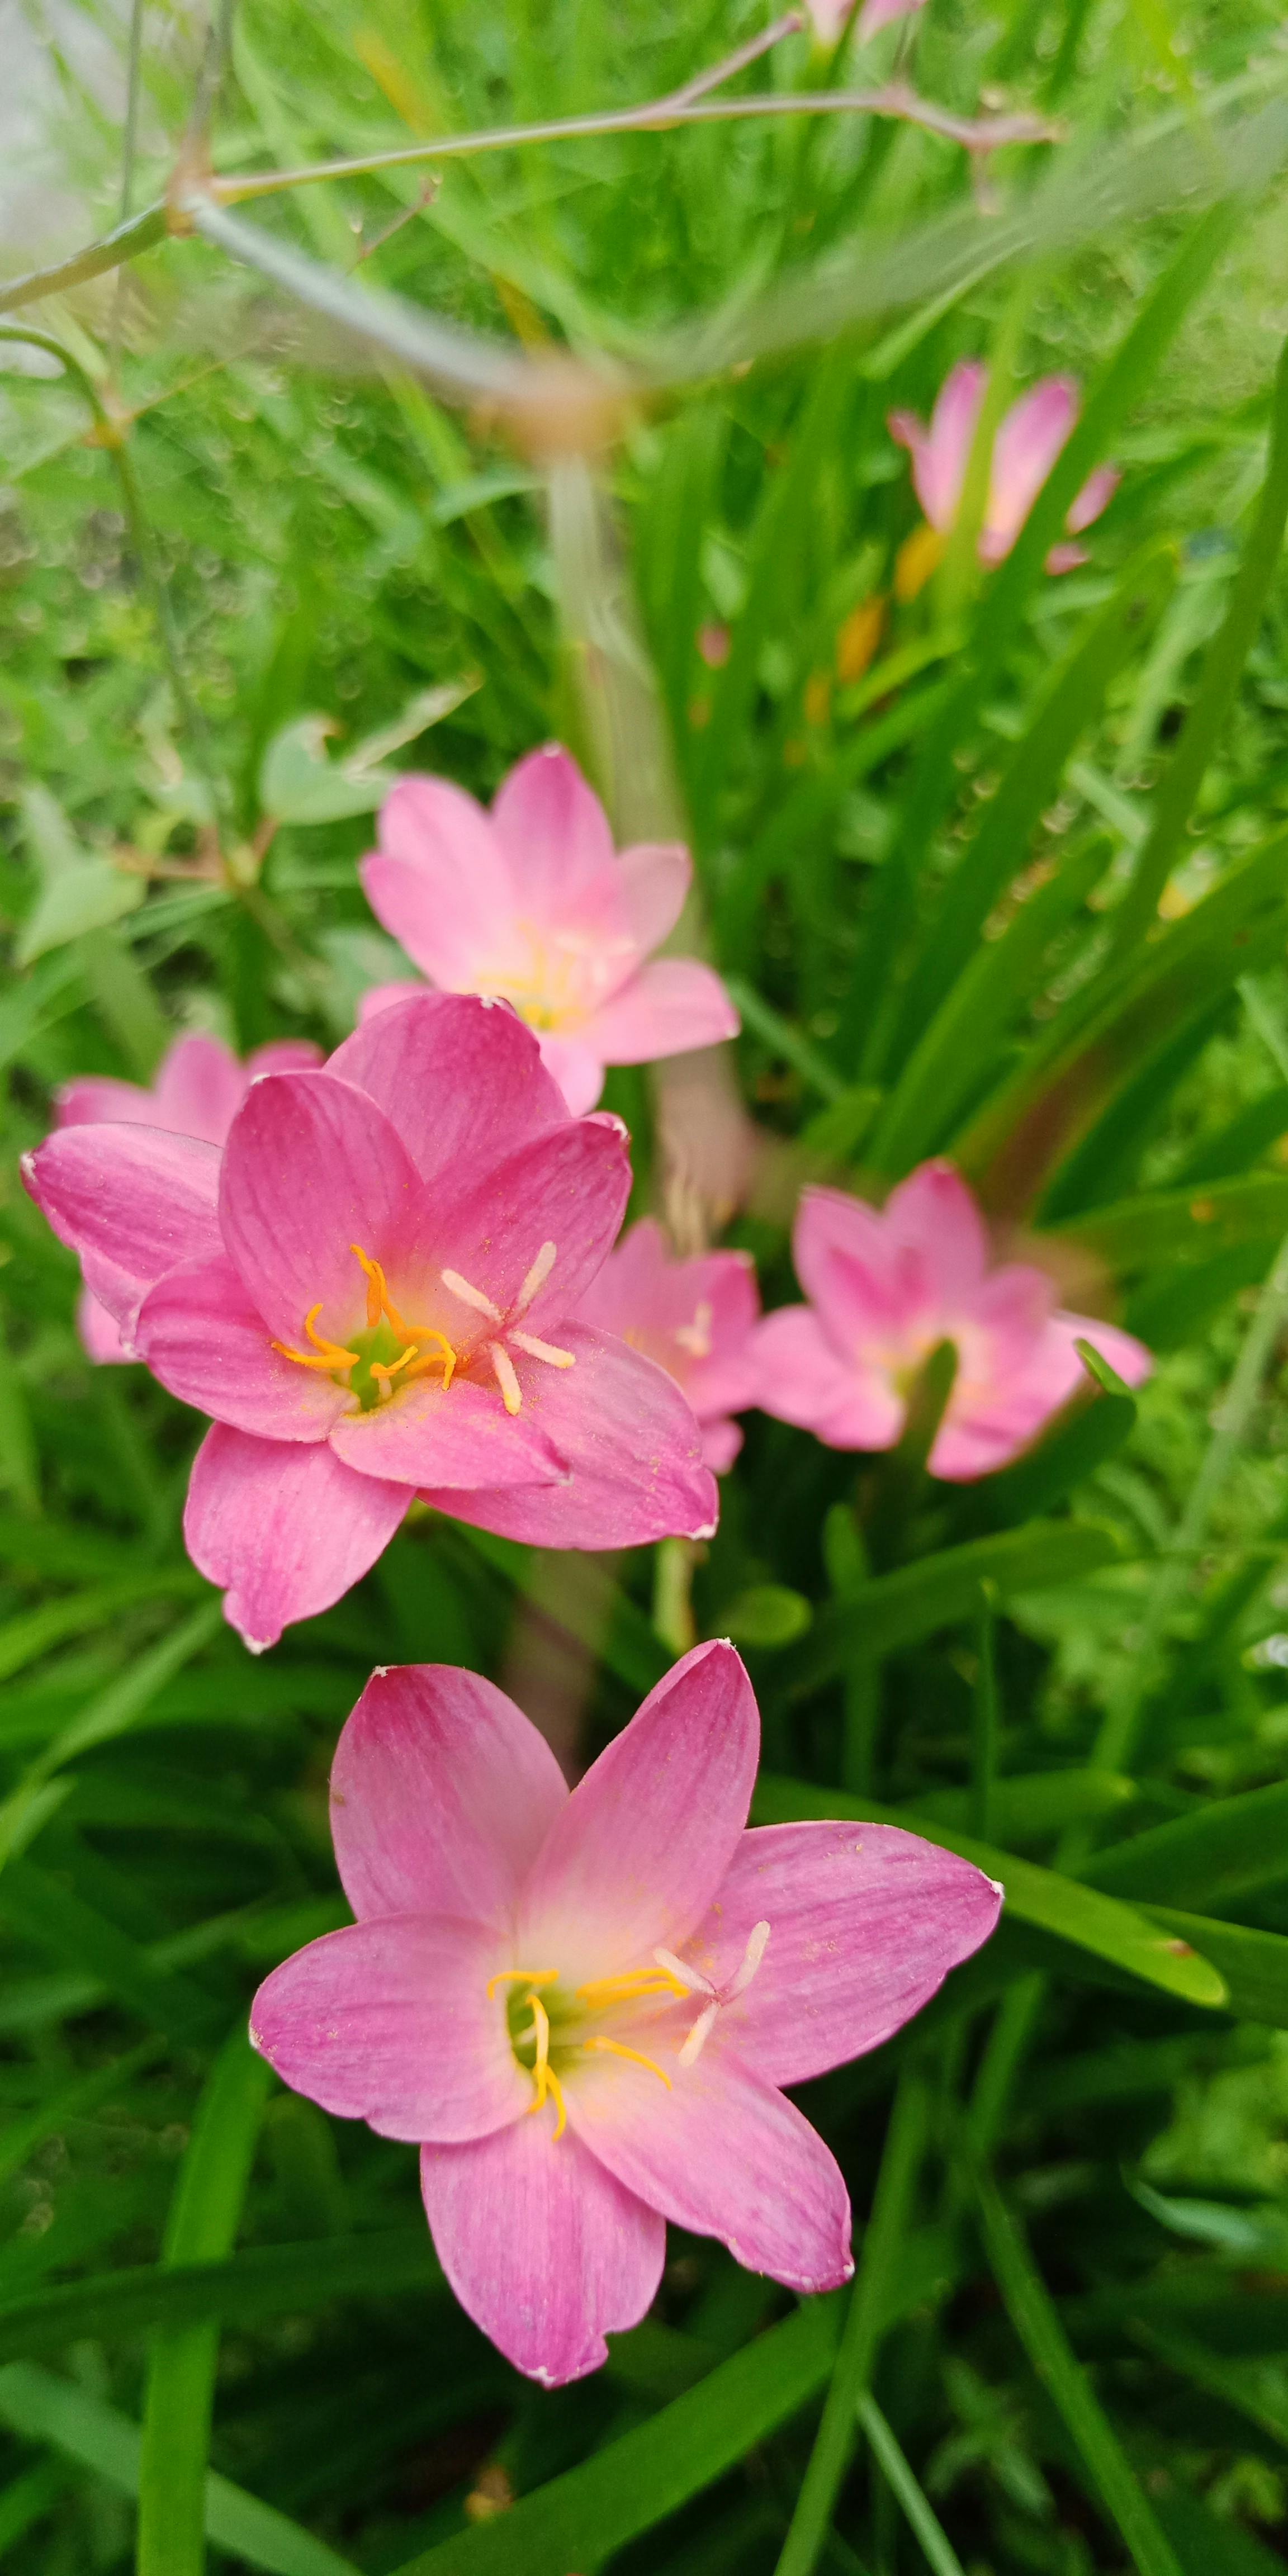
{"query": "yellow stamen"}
{"type": "Point", "coordinates": [603, 1992]}
{"type": "Point", "coordinates": [545, 2081]}
{"type": "Point", "coordinates": [636, 2056]}
{"type": "Point", "coordinates": [325, 1354]}
{"type": "Point", "coordinates": [521, 1977]}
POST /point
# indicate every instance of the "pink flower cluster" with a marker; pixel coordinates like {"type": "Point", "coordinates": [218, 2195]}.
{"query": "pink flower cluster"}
{"type": "Point", "coordinates": [1029, 439]}
{"type": "Point", "coordinates": [584, 2007]}
{"type": "Point", "coordinates": [374, 1289]}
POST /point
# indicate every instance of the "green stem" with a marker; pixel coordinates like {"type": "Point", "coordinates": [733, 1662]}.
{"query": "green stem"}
{"type": "Point", "coordinates": [870, 2304]}
{"type": "Point", "coordinates": [923, 2522]}
{"type": "Point", "coordinates": [984, 1718]}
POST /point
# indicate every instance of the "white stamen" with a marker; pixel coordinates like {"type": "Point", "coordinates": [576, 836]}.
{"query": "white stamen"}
{"type": "Point", "coordinates": [690, 1977]}
{"type": "Point", "coordinates": [751, 1958]}
{"type": "Point", "coordinates": [549, 1351]}
{"type": "Point", "coordinates": [536, 1278]}
{"type": "Point", "coordinates": [697, 2039]}
{"type": "Point", "coordinates": [511, 1392]}
{"type": "Point", "coordinates": [470, 1296]}
{"type": "Point", "coordinates": [695, 1338]}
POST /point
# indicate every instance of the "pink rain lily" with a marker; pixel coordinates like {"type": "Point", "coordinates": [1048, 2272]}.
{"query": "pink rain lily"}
{"type": "Point", "coordinates": [1029, 439]}
{"type": "Point", "coordinates": [885, 1288]}
{"type": "Point", "coordinates": [530, 901]}
{"type": "Point", "coordinates": [374, 1292]}
{"type": "Point", "coordinates": [695, 1318]}
{"type": "Point", "coordinates": [583, 2007]}
{"type": "Point", "coordinates": [198, 1091]}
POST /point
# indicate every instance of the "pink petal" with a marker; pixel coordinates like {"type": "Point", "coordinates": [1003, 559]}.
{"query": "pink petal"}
{"type": "Point", "coordinates": [801, 1379]}
{"type": "Point", "coordinates": [633, 1448]}
{"type": "Point", "coordinates": [1096, 494]}
{"type": "Point", "coordinates": [865, 1922]}
{"type": "Point", "coordinates": [283, 1055]}
{"type": "Point", "coordinates": [721, 1442]}
{"type": "Point", "coordinates": [939, 454]}
{"type": "Point", "coordinates": [311, 1167]}
{"type": "Point", "coordinates": [1130, 1358]}
{"type": "Point", "coordinates": [1065, 559]}
{"type": "Point", "coordinates": [725, 2155]}
{"type": "Point", "coordinates": [669, 1309]}
{"type": "Point", "coordinates": [576, 1069]}
{"type": "Point", "coordinates": [204, 1339]}
{"type": "Point", "coordinates": [442, 1793]}
{"type": "Point", "coordinates": [544, 2250]}
{"type": "Point", "coordinates": [1028, 442]}
{"type": "Point", "coordinates": [284, 1529]}
{"type": "Point", "coordinates": [553, 830]}
{"type": "Point", "coordinates": [637, 1852]}
{"type": "Point", "coordinates": [855, 1274]}
{"type": "Point", "coordinates": [670, 1006]}
{"type": "Point", "coordinates": [460, 1078]}
{"type": "Point", "coordinates": [569, 1187]}
{"type": "Point", "coordinates": [131, 1200]}
{"type": "Point", "coordinates": [654, 878]}
{"type": "Point", "coordinates": [97, 1099]}
{"type": "Point", "coordinates": [382, 997]}
{"type": "Point", "coordinates": [439, 882]}
{"type": "Point", "coordinates": [935, 1214]}
{"type": "Point", "coordinates": [391, 2022]}
{"type": "Point", "coordinates": [99, 1331]}
{"type": "Point", "coordinates": [199, 1089]}
{"type": "Point", "coordinates": [879, 13]}
{"type": "Point", "coordinates": [453, 1439]}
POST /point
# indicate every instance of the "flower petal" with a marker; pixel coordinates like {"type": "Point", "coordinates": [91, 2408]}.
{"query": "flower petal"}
{"type": "Point", "coordinates": [934, 1214]}
{"type": "Point", "coordinates": [850, 1267]}
{"type": "Point", "coordinates": [311, 1167]}
{"type": "Point", "coordinates": [568, 1187]}
{"type": "Point", "coordinates": [633, 1448]}
{"type": "Point", "coordinates": [865, 1922]}
{"type": "Point", "coordinates": [655, 877]}
{"type": "Point", "coordinates": [939, 454]}
{"type": "Point", "coordinates": [460, 1078]}
{"type": "Point", "coordinates": [442, 1793]}
{"type": "Point", "coordinates": [637, 1852]}
{"type": "Point", "coordinates": [721, 1442]}
{"type": "Point", "coordinates": [458, 1437]}
{"type": "Point", "coordinates": [1096, 494]}
{"type": "Point", "coordinates": [199, 1088]}
{"type": "Point", "coordinates": [723, 2154]}
{"type": "Point", "coordinates": [553, 830]}
{"type": "Point", "coordinates": [577, 1070]}
{"type": "Point", "coordinates": [439, 883]}
{"type": "Point", "coordinates": [991, 1426]}
{"type": "Point", "coordinates": [99, 1332]}
{"type": "Point", "coordinates": [285, 1529]}
{"type": "Point", "coordinates": [131, 1200]}
{"type": "Point", "coordinates": [802, 1379]}
{"type": "Point", "coordinates": [544, 2250]}
{"type": "Point", "coordinates": [1028, 442]}
{"type": "Point", "coordinates": [390, 2022]}
{"type": "Point", "coordinates": [98, 1100]}
{"type": "Point", "coordinates": [670, 1006]}
{"type": "Point", "coordinates": [204, 1339]}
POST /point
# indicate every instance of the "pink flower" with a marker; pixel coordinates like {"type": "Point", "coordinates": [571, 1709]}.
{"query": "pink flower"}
{"type": "Point", "coordinates": [530, 901]}
{"type": "Point", "coordinates": [829, 16]}
{"type": "Point", "coordinates": [884, 1289]}
{"type": "Point", "coordinates": [583, 2007]}
{"type": "Point", "coordinates": [197, 1092]}
{"type": "Point", "coordinates": [1029, 439]}
{"type": "Point", "coordinates": [695, 1318]}
{"type": "Point", "coordinates": [373, 1292]}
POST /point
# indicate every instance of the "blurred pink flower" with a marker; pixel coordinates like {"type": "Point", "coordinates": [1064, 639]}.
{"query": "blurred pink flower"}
{"type": "Point", "coordinates": [583, 2007]}
{"type": "Point", "coordinates": [199, 1089]}
{"type": "Point", "coordinates": [695, 1318]}
{"type": "Point", "coordinates": [829, 16]}
{"type": "Point", "coordinates": [532, 902]}
{"type": "Point", "coordinates": [1029, 439]}
{"type": "Point", "coordinates": [885, 1288]}
{"type": "Point", "coordinates": [374, 1292]}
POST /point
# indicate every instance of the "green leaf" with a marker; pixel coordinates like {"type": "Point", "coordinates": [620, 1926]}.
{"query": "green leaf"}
{"type": "Point", "coordinates": [33, 1632]}
{"type": "Point", "coordinates": [39, 2407]}
{"type": "Point", "coordinates": [579, 2519]}
{"type": "Point", "coordinates": [71, 2102]}
{"type": "Point", "coordinates": [1257, 2389]}
{"type": "Point", "coordinates": [203, 2222]}
{"type": "Point", "coordinates": [1175, 797]}
{"type": "Point", "coordinates": [1088, 1435]}
{"type": "Point", "coordinates": [1033, 2315]}
{"type": "Point", "coordinates": [922, 2520]}
{"type": "Point", "coordinates": [1128, 1939]}
{"type": "Point", "coordinates": [936, 1591]}
{"type": "Point", "coordinates": [1223, 1851]}
{"type": "Point", "coordinates": [1186, 1225]}
{"type": "Point", "coordinates": [60, 1922]}
{"type": "Point", "coordinates": [298, 784]}
{"type": "Point", "coordinates": [1254, 1965]}
{"type": "Point", "coordinates": [768, 1615]}
{"type": "Point", "coordinates": [1040, 1802]}
{"type": "Point", "coordinates": [264, 2281]}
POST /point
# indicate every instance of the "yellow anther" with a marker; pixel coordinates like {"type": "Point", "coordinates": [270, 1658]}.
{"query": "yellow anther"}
{"type": "Point", "coordinates": [521, 1977]}
{"type": "Point", "coordinates": [636, 2056]}
{"type": "Point", "coordinates": [603, 1992]}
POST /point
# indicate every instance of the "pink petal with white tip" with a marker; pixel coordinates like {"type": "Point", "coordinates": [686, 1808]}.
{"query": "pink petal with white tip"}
{"type": "Point", "coordinates": [451, 1072]}
{"type": "Point", "coordinates": [131, 1198]}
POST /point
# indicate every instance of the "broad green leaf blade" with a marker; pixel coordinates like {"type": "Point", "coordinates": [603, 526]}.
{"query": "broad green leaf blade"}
{"type": "Point", "coordinates": [87, 898]}
{"type": "Point", "coordinates": [579, 2519]}
{"type": "Point", "coordinates": [263, 2281]}
{"type": "Point", "coordinates": [34, 1632]}
{"type": "Point", "coordinates": [1189, 1225]}
{"type": "Point", "coordinates": [938, 1590]}
{"type": "Point", "coordinates": [1253, 1964]}
{"type": "Point", "coordinates": [1101, 1924]}
{"type": "Point", "coordinates": [1223, 1851]}
{"type": "Point", "coordinates": [298, 784]}
{"type": "Point", "coordinates": [1033, 2315]}
{"type": "Point", "coordinates": [52, 1915]}
{"type": "Point", "coordinates": [1035, 1803]}
{"type": "Point", "coordinates": [39, 2407]}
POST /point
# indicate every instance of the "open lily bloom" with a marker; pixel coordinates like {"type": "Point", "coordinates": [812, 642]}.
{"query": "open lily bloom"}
{"type": "Point", "coordinates": [1029, 439]}
{"type": "Point", "coordinates": [885, 1288]}
{"type": "Point", "coordinates": [199, 1089]}
{"type": "Point", "coordinates": [373, 1292]}
{"type": "Point", "coordinates": [532, 902]}
{"type": "Point", "coordinates": [584, 2006]}
{"type": "Point", "coordinates": [695, 1318]}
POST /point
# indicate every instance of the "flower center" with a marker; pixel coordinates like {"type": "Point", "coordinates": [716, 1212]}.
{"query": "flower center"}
{"type": "Point", "coordinates": [386, 1355]}
{"type": "Point", "coordinates": [565, 974]}
{"type": "Point", "coordinates": [549, 2028]}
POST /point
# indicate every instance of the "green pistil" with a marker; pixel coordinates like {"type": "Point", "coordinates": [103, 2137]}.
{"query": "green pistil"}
{"type": "Point", "coordinates": [379, 1343]}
